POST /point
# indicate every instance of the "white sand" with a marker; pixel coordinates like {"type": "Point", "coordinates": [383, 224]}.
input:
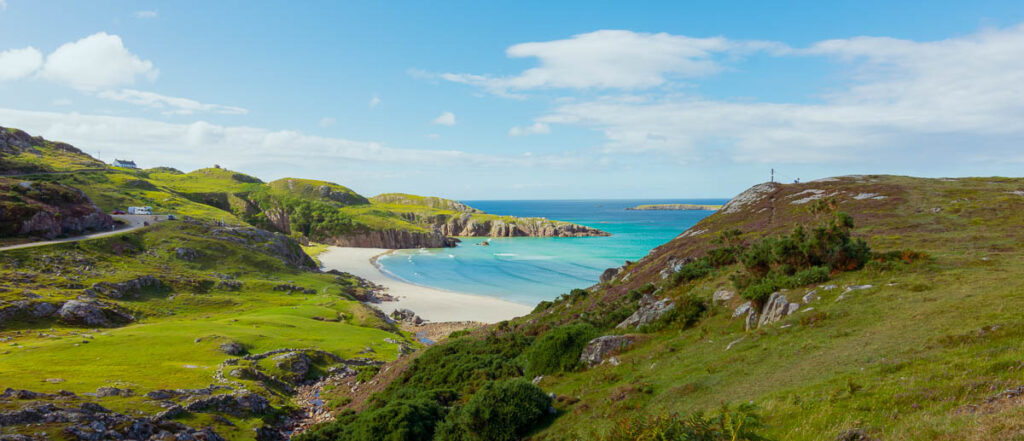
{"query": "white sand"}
{"type": "Point", "coordinates": [429, 303]}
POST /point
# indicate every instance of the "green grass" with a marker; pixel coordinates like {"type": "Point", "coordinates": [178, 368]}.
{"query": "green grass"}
{"type": "Point", "coordinates": [175, 342]}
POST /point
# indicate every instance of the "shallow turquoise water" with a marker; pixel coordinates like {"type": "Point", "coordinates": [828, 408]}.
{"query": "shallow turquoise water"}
{"type": "Point", "coordinates": [528, 270]}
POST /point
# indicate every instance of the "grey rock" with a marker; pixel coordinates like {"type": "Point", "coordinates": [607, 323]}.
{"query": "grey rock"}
{"type": "Point", "coordinates": [751, 320]}
{"type": "Point", "coordinates": [187, 254]}
{"type": "Point", "coordinates": [406, 316]}
{"type": "Point", "coordinates": [92, 313]}
{"type": "Point", "coordinates": [232, 348]}
{"type": "Point", "coordinates": [602, 348]}
{"type": "Point", "coordinates": [608, 275]}
{"type": "Point", "coordinates": [722, 296]}
{"type": "Point", "coordinates": [743, 309]}
{"type": "Point", "coordinates": [296, 364]}
{"type": "Point", "coordinates": [651, 309]}
{"type": "Point", "coordinates": [811, 296]}
{"type": "Point", "coordinates": [775, 309]}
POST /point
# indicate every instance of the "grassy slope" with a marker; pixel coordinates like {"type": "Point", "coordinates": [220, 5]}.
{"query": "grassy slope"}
{"type": "Point", "coordinates": [905, 360]}
{"type": "Point", "coordinates": [48, 156]}
{"type": "Point", "coordinates": [161, 350]}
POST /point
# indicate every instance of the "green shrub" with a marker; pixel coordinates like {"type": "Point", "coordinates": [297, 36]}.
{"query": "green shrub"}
{"type": "Point", "coordinates": [740, 424]}
{"type": "Point", "coordinates": [402, 420]}
{"type": "Point", "coordinates": [558, 350]}
{"type": "Point", "coordinates": [457, 367]}
{"type": "Point", "coordinates": [692, 271]}
{"type": "Point", "coordinates": [542, 306]}
{"type": "Point", "coordinates": [503, 410]}
{"type": "Point", "coordinates": [366, 373]}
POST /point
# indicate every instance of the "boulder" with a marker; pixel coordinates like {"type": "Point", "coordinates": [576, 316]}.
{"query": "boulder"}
{"type": "Point", "coordinates": [92, 313]}
{"type": "Point", "coordinates": [751, 320]}
{"type": "Point", "coordinates": [601, 349]}
{"type": "Point", "coordinates": [775, 309]}
{"type": "Point", "coordinates": [722, 296]}
{"type": "Point", "coordinates": [743, 309]}
{"type": "Point", "coordinates": [124, 289]}
{"type": "Point", "coordinates": [406, 316]}
{"type": "Point", "coordinates": [239, 405]}
{"type": "Point", "coordinates": [187, 254]}
{"type": "Point", "coordinates": [608, 275]}
{"type": "Point", "coordinates": [651, 309]}
{"type": "Point", "coordinates": [232, 348]}
{"type": "Point", "coordinates": [811, 296]}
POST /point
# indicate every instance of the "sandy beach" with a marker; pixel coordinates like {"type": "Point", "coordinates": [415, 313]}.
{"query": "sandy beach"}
{"type": "Point", "coordinates": [429, 303]}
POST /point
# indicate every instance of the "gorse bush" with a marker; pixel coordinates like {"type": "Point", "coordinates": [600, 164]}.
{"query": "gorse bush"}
{"type": "Point", "coordinates": [688, 310]}
{"type": "Point", "coordinates": [558, 350]}
{"type": "Point", "coordinates": [503, 410]}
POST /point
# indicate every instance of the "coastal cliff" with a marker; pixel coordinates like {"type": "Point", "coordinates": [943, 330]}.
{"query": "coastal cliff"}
{"type": "Point", "coordinates": [468, 226]}
{"type": "Point", "coordinates": [393, 239]}
{"type": "Point", "coordinates": [675, 207]}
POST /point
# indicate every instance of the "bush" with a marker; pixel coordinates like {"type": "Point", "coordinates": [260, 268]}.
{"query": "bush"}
{"type": "Point", "coordinates": [457, 367]}
{"type": "Point", "coordinates": [739, 424]}
{"type": "Point", "coordinates": [692, 271]}
{"type": "Point", "coordinates": [402, 420]}
{"type": "Point", "coordinates": [542, 306]}
{"type": "Point", "coordinates": [366, 373]}
{"type": "Point", "coordinates": [503, 410]}
{"type": "Point", "coordinates": [558, 350]}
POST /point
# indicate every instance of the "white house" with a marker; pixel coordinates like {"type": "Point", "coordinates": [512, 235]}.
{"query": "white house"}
{"type": "Point", "coordinates": [124, 164]}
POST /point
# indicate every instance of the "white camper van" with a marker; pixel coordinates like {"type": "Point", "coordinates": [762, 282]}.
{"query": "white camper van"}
{"type": "Point", "coordinates": [140, 210]}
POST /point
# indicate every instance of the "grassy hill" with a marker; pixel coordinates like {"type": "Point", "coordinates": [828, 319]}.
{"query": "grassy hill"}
{"type": "Point", "coordinates": [307, 209]}
{"type": "Point", "coordinates": [166, 300]}
{"type": "Point", "coordinates": [916, 341]}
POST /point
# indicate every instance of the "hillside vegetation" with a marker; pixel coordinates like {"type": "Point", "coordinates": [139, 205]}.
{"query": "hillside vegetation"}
{"type": "Point", "coordinates": [852, 308]}
{"type": "Point", "coordinates": [185, 322]}
{"type": "Point", "coordinates": [308, 210]}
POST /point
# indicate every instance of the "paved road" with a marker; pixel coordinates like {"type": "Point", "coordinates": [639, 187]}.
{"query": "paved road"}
{"type": "Point", "coordinates": [133, 221]}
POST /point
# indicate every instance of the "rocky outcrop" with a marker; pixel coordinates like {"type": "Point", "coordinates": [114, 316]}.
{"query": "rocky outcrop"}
{"type": "Point", "coordinates": [603, 349]}
{"type": "Point", "coordinates": [295, 366]}
{"type": "Point", "coordinates": [47, 210]}
{"type": "Point", "coordinates": [777, 307]}
{"type": "Point", "coordinates": [394, 239]}
{"type": "Point", "coordinates": [91, 421]}
{"type": "Point", "coordinates": [238, 405]}
{"type": "Point", "coordinates": [26, 310]}
{"type": "Point", "coordinates": [468, 226]}
{"type": "Point", "coordinates": [651, 310]}
{"type": "Point", "coordinates": [277, 245]}
{"type": "Point", "coordinates": [93, 313]}
{"type": "Point", "coordinates": [406, 316]}
{"type": "Point", "coordinates": [120, 290]}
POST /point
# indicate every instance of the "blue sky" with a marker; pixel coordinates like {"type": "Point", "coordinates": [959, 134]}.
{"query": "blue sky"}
{"type": "Point", "coordinates": [525, 100]}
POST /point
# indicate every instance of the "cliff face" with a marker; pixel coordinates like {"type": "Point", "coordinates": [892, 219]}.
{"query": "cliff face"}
{"type": "Point", "coordinates": [467, 226]}
{"type": "Point", "coordinates": [47, 210]}
{"type": "Point", "coordinates": [394, 239]}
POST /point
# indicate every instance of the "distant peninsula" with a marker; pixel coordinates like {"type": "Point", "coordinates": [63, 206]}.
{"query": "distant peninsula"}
{"type": "Point", "coordinates": [678, 207]}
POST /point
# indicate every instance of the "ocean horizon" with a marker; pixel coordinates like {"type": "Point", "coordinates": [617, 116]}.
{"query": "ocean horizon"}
{"type": "Point", "coordinates": [529, 270]}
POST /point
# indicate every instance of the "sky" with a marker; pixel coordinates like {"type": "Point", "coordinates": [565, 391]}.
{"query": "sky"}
{"type": "Point", "coordinates": [525, 100]}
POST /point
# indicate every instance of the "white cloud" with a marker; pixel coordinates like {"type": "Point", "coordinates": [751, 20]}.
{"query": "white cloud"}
{"type": "Point", "coordinates": [433, 136]}
{"type": "Point", "coordinates": [905, 100]}
{"type": "Point", "coordinates": [445, 119]}
{"type": "Point", "coordinates": [375, 101]}
{"type": "Point", "coordinates": [534, 129]}
{"type": "Point", "coordinates": [327, 121]}
{"type": "Point", "coordinates": [613, 59]}
{"type": "Point", "coordinates": [19, 63]}
{"type": "Point", "coordinates": [170, 105]}
{"type": "Point", "coordinates": [3, 5]}
{"type": "Point", "coordinates": [200, 144]}
{"type": "Point", "coordinates": [94, 62]}
{"type": "Point", "coordinates": [147, 14]}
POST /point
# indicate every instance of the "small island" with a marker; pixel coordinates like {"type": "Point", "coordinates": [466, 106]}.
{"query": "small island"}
{"type": "Point", "coordinates": [678, 207]}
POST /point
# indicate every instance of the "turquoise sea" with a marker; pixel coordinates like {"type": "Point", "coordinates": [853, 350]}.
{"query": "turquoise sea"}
{"type": "Point", "coordinates": [528, 270]}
